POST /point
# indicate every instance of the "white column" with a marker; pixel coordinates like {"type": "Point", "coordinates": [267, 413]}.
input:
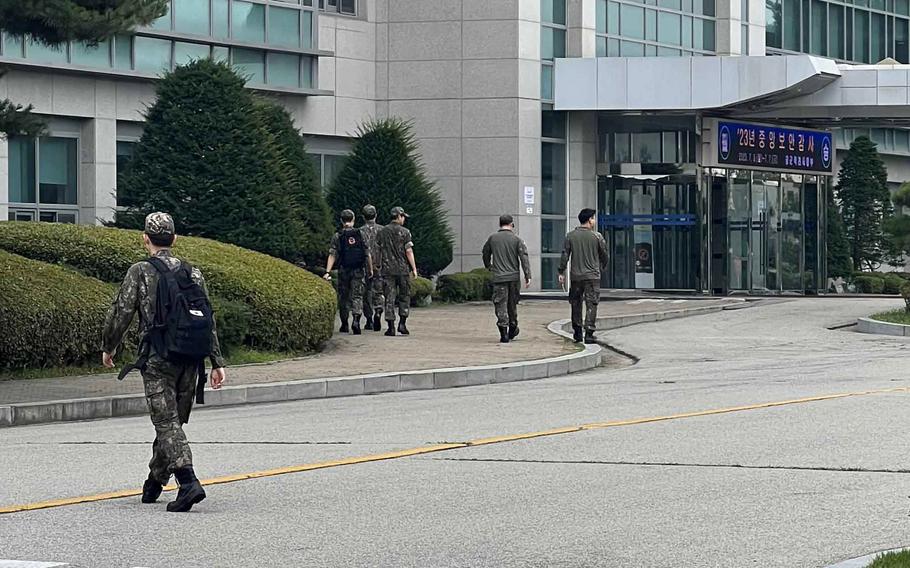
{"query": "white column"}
{"type": "Point", "coordinates": [4, 179]}
{"type": "Point", "coordinates": [98, 171]}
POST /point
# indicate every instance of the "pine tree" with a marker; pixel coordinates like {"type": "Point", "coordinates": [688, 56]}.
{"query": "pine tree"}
{"type": "Point", "coordinates": [862, 189]}
{"type": "Point", "coordinates": [301, 181]}
{"type": "Point", "coordinates": [898, 226]}
{"type": "Point", "coordinates": [53, 22]}
{"type": "Point", "coordinates": [384, 170]}
{"type": "Point", "coordinates": [840, 264]}
{"type": "Point", "coordinates": [206, 158]}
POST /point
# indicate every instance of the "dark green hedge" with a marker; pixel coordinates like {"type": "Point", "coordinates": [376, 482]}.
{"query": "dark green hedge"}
{"type": "Point", "coordinates": [49, 316]}
{"type": "Point", "coordinates": [421, 291]}
{"type": "Point", "coordinates": [472, 286]}
{"type": "Point", "coordinates": [290, 308]}
{"type": "Point", "coordinates": [868, 284]}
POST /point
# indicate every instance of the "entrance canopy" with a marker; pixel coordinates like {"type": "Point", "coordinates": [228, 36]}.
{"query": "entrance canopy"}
{"type": "Point", "coordinates": [799, 89]}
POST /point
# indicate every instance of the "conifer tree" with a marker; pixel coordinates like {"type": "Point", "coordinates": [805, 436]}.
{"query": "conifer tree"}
{"type": "Point", "coordinates": [206, 158]}
{"type": "Point", "coordinates": [838, 247]}
{"type": "Point", "coordinates": [384, 170]}
{"type": "Point", "coordinates": [301, 181]}
{"type": "Point", "coordinates": [862, 189]}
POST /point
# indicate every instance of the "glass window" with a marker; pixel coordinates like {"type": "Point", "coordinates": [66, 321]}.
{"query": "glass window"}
{"type": "Point", "coordinates": [650, 51]}
{"type": "Point", "coordinates": [250, 63]}
{"type": "Point", "coordinates": [125, 152]}
{"type": "Point", "coordinates": [670, 153]}
{"type": "Point", "coordinates": [819, 43]}
{"type": "Point", "coordinates": [601, 17]}
{"type": "Point", "coordinates": [707, 35]}
{"type": "Point", "coordinates": [902, 7]}
{"type": "Point", "coordinates": [185, 53]}
{"type": "Point", "coordinates": [91, 56]}
{"type": "Point", "coordinates": [668, 28]}
{"type": "Point", "coordinates": [191, 16]}
{"type": "Point", "coordinates": [552, 235]}
{"type": "Point", "coordinates": [744, 40]}
{"type": "Point", "coordinates": [284, 26]}
{"type": "Point", "coordinates": [220, 19]}
{"type": "Point", "coordinates": [848, 28]}
{"type": "Point", "coordinates": [332, 164]}
{"type": "Point", "coordinates": [164, 22]}
{"type": "Point", "coordinates": [553, 179]}
{"type": "Point", "coordinates": [21, 169]}
{"type": "Point", "coordinates": [308, 29]}
{"type": "Point", "coordinates": [12, 46]}
{"type": "Point", "coordinates": [836, 31]}
{"type": "Point", "coordinates": [671, 4]}
{"type": "Point", "coordinates": [704, 7]}
{"type": "Point", "coordinates": [612, 48]}
{"type": "Point", "coordinates": [248, 21]}
{"type": "Point", "coordinates": [549, 275]}
{"type": "Point", "coordinates": [687, 31]}
{"type": "Point", "coordinates": [878, 38]}
{"type": "Point", "coordinates": [152, 54]}
{"type": "Point", "coordinates": [553, 11]}
{"type": "Point", "coordinates": [622, 148]}
{"type": "Point", "coordinates": [633, 22]}
{"type": "Point", "coordinates": [601, 46]}
{"type": "Point", "coordinates": [220, 53]}
{"type": "Point", "coordinates": [37, 51]}
{"type": "Point", "coordinates": [744, 10]}
{"type": "Point", "coordinates": [306, 72]}
{"type": "Point", "coordinates": [900, 41]}
{"type": "Point", "coordinates": [772, 23]}
{"type": "Point", "coordinates": [646, 147]}
{"type": "Point", "coordinates": [791, 25]}
{"type": "Point", "coordinates": [284, 69]}
{"type": "Point", "coordinates": [651, 25]}
{"type": "Point", "coordinates": [348, 7]}
{"type": "Point", "coordinates": [553, 124]}
{"type": "Point", "coordinates": [668, 52]}
{"type": "Point", "coordinates": [613, 18]}
{"type": "Point", "coordinates": [552, 43]}
{"type": "Point", "coordinates": [806, 25]}
{"type": "Point", "coordinates": [546, 82]}
{"type": "Point", "coordinates": [632, 49]}
{"type": "Point", "coordinates": [902, 141]}
{"type": "Point", "coordinates": [123, 52]}
{"type": "Point", "coordinates": [57, 170]}
{"type": "Point", "coordinates": [861, 33]}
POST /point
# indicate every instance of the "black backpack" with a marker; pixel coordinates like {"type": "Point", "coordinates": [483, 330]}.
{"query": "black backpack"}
{"type": "Point", "coordinates": [352, 251]}
{"type": "Point", "coordinates": [182, 330]}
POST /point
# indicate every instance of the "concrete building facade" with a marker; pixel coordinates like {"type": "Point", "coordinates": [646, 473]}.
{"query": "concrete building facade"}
{"type": "Point", "coordinates": [514, 104]}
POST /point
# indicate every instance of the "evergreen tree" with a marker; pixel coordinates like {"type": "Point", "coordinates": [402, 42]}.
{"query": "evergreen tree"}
{"type": "Point", "coordinates": [54, 22]}
{"type": "Point", "coordinates": [898, 226]}
{"type": "Point", "coordinates": [384, 170]}
{"type": "Point", "coordinates": [862, 190]}
{"type": "Point", "coordinates": [840, 264]}
{"type": "Point", "coordinates": [301, 181]}
{"type": "Point", "coordinates": [206, 158]}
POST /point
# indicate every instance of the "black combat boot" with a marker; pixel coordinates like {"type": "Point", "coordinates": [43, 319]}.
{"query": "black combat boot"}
{"type": "Point", "coordinates": [377, 320]}
{"type": "Point", "coordinates": [589, 337]}
{"type": "Point", "coordinates": [368, 324]}
{"type": "Point", "coordinates": [402, 327]}
{"type": "Point", "coordinates": [503, 334]}
{"type": "Point", "coordinates": [391, 331]}
{"type": "Point", "coordinates": [355, 325]}
{"type": "Point", "coordinates": [577, 334]}
{"type": "Point", "coordinates": [151, 490]}
{"type": "Point", "coordinates": [190, 493]}
{"type": "Point", "coordinates": [513, 331]}
{"type": "Point", "coordinates": [344, 325]}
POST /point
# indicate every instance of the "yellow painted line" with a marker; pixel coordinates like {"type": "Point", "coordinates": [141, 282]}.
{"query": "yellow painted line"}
{"type": "Point", "coordinates": [442, 448]}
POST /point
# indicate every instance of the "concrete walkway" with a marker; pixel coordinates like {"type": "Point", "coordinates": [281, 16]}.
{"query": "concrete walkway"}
{"type": "Point", "coordinates": [441, 337]}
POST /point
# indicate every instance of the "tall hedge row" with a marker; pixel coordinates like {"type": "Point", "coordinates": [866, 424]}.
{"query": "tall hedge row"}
{"type": "Point", "coordinates": [50, 316]}
{"type": "Point", "coordinates": [290, 309]}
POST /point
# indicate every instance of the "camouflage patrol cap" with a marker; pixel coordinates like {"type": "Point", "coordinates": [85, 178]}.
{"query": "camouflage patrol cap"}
{"type": "Point", "coordinates": [396, 211]}
{"type": "Point", "coordinates": [159, 224]}
{"type": "Point", "coordinates": [369, 211]}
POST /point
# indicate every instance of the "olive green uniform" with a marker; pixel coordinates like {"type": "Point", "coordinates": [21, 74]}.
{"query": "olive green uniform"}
{"type": "Point", "coordinates": [506, 256]}
{"type": "Point", "coordinates": [587, 251]}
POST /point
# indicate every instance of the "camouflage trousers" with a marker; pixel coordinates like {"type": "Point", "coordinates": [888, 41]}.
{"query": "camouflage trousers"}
{"type": "Point", "coordinates": [397, 289]}
{"type": "Point", "coordinates": [373, 298]}
{"type": "Point", "coordinates": [505, 302]}
{"type": "Point", "coordinates": [586, 292]}
{"type": "Point", "coordinates": [350, 293]}
{"type": "Point", "coordinates": [170, 390]}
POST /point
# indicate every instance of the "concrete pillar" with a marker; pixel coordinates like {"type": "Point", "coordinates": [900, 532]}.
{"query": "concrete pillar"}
{"type": "Point", "coordinates": [98, 171]}
{"type": "Point", "coordinates": [4, 179]}
{"type": "Point", "coordinates": [731, 20]}
{"type": "Point", "coordinates": [581, 23]}
{"type": "Point", "coordinates": [582, 163]}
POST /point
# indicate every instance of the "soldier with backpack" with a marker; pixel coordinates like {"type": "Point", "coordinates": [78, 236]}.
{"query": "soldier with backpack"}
{"type": "Point", "coordinates": [350, 252]}
{"type": "Point", "coordinates": [177, 334]}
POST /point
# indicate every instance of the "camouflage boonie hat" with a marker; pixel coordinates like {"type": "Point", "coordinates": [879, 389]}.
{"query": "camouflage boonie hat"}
{"type": "Point", "coordinates": [369, 211]}
{"type": "Point", "coordinates": [396, 211]}
{"type": "Point", "coordinates": [159, 224]}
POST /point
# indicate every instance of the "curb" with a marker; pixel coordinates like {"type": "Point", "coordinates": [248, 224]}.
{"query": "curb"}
{"type": "Point", "coordinates": [134, 404]}
{"type": "Point", "coordinates": [869, 325]}
{"type": "Point", "coordinates": [863, 561]}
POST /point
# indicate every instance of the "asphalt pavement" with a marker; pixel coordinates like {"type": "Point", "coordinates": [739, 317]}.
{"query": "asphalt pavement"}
{"type": "Point", "coordinates": [807, 483]}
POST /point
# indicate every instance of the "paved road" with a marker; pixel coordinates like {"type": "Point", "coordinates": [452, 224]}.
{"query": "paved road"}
{"type": "Point", "coordinates": [803, 484]}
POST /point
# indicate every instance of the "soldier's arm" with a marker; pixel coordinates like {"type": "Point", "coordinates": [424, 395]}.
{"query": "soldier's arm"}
{"type": "Point", "coordinates": [602, 251]}
{"type": "Point", "coordinates": [564, 259]}
{"type": "Point", "coordinates": [525, 262]}
{"type": "Point", "coordinates": [215, 357]}
{"type": "Point", "coordinates": [333, 255]}
{"type": "Point", "coordinates": [409, 252]}
{"type": "Point", "coordinates": [487, 254]}
{"type": "Point", "coordinates": [122, 310]}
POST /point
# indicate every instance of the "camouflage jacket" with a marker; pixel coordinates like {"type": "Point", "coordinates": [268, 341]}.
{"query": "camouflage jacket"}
{"type": "Point", "coordinates": [392, 243]}
{"type": "Point", "coordinates": [370, 230]}
{"type": "Point", "coordinates": [137, 293]}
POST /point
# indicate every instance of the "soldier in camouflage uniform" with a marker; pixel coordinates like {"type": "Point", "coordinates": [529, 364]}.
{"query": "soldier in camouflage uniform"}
{"type": "Point", "coordinates": [396, 255]}
{"type": "Point", "coordinates": [587, 251]}
{"type": "Point", "coordinates": [372, 293]}
{"type": "Point", "coordinates": [350, 251]}
{"type": "Point", "coordinates": [169, 387]}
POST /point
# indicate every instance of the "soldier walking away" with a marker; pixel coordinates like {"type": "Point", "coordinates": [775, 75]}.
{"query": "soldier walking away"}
{"type": "Point", "coordinates": [177, 333]}
{"type": "Point", "coordinates": [506, 256]}
{"type": "Point", "coordinates": [587, 250]}
{"type": "Point", "coordinates": [350, 251]}
{"type": "Point", "coordinates": [396, 254]}
{"type": "Point", "coordinates": [372, 293]}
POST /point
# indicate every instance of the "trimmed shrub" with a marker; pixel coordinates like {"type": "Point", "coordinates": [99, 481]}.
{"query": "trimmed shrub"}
{"type": "Point", "coordinates": [421, 292]}
{"type": "Point", "coordinates": [868, 284]}
{"type": "Point", "coordinates": [50, 316]}
{"type": "Point", "coordinates": [472, 286]}
{"type": "Point", "coordinates": [892, 284]}
{"type": "Point", "coordinates": [290, 308]}
{"type": "Point", "coordinates": [233, 321]}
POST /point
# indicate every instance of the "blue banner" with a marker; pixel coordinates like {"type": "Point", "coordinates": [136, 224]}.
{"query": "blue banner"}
{"type": "Point", "coordinates": [774, 147]}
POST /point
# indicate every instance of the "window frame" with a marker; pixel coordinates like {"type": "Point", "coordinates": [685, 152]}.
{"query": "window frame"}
{"type": "Point", "coordinates": [37, 208]}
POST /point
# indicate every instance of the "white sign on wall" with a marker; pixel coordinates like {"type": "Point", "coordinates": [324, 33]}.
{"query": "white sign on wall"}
{"type": "Point", "coordinates": [529, 195]}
